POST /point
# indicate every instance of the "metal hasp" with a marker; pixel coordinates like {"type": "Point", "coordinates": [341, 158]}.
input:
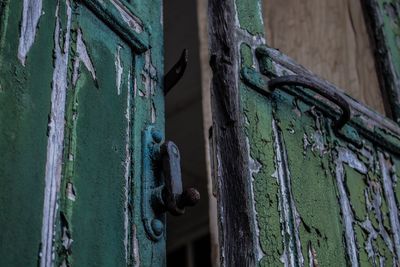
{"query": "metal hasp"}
{"type": "Point", "coordinates": [162, 183]}
{"type": "Point", "coordinates": [174, 198]}
{"type": "Point", "coordinates": [175, 74]}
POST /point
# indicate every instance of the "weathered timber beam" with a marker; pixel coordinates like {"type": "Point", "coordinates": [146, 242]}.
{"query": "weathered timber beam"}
{"type": "Point", "coordinates": [236, 232]}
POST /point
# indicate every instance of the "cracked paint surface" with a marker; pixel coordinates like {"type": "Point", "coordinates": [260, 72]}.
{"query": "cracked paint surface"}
{"type": "Point", "coordinates": [254, 168]}
{"type": "Point", "coordinates": [339, 193]}
{"type": "Point", "coordinates": [71, 143]}
{"type": "Point", "coordinates": [56, 137]}
{"type": "Point", "coordinates": [31, 12]}
{"type": "Point", "coordinates": [290, 219]}
{"type": "Point", "coordinates": [321, 197]}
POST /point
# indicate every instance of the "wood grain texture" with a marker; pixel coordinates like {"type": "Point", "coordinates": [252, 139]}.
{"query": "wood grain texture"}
{"type": "Point", "coordinates": [331, 39]}
{"type": "Point", "coordinates": [383, 20]}
{"type": "Point", "coordinates": [233, 182]}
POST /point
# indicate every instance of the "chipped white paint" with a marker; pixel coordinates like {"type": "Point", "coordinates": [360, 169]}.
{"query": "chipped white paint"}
{"type": "Point", "coordinates": [306, 144]}
{"type": "Point", "coordinates": [253, 41]}
{"type": "Point", "coordinates": [71, 192]}
{"type": "Point", "coordinates": [153, 112]}
{"type": "Point", "coordinates": [352, 160]}
{"type": "Point", "coordinates": [31, 12]}
{"type": "Point", "coordinates": [82, 55]}
{"type": "Point", "coordinates": [391, 201]}
{"type": "Point", "coordinates": [56, 137]}
{"type": "Point", "coordinates": [375, 192]}
{"type": "Point", "coordinates": [65, 238]}
{"type": "Point", "coordinates": [290, 218]}
{"type": "Point", "coordinates": [372, 235]}
{"type": "Point", "coordinates": [134, 87]}
{"type": "Point", "coordinates": [127, 165]}
{"type": "Point", "coordinates": [237, 23]}
{"type": "Point", "coordinates": [373, 204]}
{"type": "Point", "coordinates": [347, 213]}
{"type": "Point", "coordinates": [260, 13]}
{"type": "Point", "coordinates": [318, 143]}
{"type": "Point", "coordinates": [133, 21]}
{"type": "Point", "coordinates": [119, 69]}
{"type": "Point", "coordinates": [254, 168]}
{"type": "Point", "coordinates": [149, 75]}
{"type": "Point", "coordinates": [135, 247]}
{"type": "Point", "coordinates": [312, 256]}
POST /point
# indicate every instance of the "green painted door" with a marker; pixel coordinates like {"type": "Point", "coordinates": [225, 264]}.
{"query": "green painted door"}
{"type": "Point", "coordinates": [318, 176]}
{"type": "Point", "coordinates": [80, 82]}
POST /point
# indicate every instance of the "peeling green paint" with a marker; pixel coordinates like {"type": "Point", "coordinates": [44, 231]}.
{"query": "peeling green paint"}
{"type": "Point", "coordinates": [257, 111]}
{"type": "Point", "coordinates": [249, 15]}
{"type": "Point", "coordinates": [246, 55]}
{"type": "Point", "coordinates": [312, 183]}
{"type": "Point", "coordinates": [337, 210]}
{"type": "Point", "coordinates": [97, 212]}
{"type": "Point", "coordinates": [24, 105]}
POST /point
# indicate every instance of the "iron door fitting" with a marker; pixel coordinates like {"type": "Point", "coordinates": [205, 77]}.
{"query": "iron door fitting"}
{"type": "Point", "coordinates": [162, 189]}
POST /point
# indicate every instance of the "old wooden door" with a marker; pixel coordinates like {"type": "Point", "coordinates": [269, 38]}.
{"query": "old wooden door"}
{"type": "Point", "coordinates": [81, 92]}
{"type": "Point", "coordinates": [305, 175]}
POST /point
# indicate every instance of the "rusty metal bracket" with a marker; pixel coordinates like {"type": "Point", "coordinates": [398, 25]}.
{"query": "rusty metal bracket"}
{"type": "Point", "coordinates": [175, 74]}
{"type": "Point", "coordinates": [265, 87]}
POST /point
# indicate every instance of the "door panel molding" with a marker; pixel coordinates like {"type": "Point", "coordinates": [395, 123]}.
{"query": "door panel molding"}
{"type": "Point", "coordinates": [122, 21]}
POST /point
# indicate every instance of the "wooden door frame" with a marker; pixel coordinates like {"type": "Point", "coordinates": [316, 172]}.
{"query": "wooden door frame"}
{"type": "Point", "coordinates": [382, 20]}
{"type": "Point", "coordinates": [238, 24]}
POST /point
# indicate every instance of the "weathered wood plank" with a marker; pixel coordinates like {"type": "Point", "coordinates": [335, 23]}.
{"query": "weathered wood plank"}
{"type": "Point", "coordinates": [330, 38]}
{"type": "Point", "coordinates": [383, 20]}
{"type": "Point", "coordinates": [234, 189]}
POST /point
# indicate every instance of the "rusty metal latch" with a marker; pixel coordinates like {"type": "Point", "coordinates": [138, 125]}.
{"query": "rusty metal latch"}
{"type": "Point", "coordinates": [162, 189]}
{"type": "Point", "coordinates": [173, 197]}
{"type": "Point", "coordinates": [266, 86]}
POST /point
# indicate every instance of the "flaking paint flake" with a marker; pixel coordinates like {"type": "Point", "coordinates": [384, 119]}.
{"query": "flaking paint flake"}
{"type": "Point", "coordinates": [118, 70]}
{"type": "Point", "coordinates": [56, 136]}
{"type": "Point", "coordinates": [82, 55]}
{"type": "Point", "coordinates": [31, 12]}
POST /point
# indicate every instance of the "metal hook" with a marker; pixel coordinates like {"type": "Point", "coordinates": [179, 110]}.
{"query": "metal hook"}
{"type": "Point", "coordinates": [265, 87]}
{"type": "Point", "coordinates": [175, 74]}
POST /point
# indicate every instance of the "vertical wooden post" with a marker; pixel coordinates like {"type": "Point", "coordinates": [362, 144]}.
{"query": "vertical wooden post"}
{"type": "Point", "coordinates": [232, 172]}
